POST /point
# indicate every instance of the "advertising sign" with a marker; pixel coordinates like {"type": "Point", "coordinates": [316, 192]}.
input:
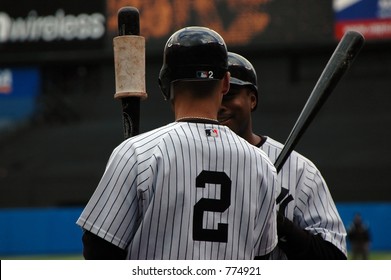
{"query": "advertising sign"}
{"type": "Point", "coordinates": [370, 17]}
{"type": "Point", "coordinates": [250, 24]}
{"type": "Point", "coordinates": [51, 25]}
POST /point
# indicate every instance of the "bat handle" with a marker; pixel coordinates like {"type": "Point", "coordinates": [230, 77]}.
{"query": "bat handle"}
{"type": "Point", "coordinates": [130, 116]}
{"type": "Point", "coordinates": [281, 159]}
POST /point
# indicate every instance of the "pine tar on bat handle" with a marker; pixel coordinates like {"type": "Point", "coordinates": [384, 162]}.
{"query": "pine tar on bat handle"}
{"type": "Point", "coordinates": [129, 59]}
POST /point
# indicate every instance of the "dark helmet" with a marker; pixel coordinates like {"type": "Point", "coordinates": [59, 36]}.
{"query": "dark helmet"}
{"type": "Point", "coordinates": [193, 53]}
{"type": "Point", "coordinates": [242, 72]}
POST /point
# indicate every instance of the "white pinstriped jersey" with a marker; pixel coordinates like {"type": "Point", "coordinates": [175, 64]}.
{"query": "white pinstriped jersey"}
{"type": "Point", "coordinates": [306, 198]}
{"type": "Point", "coordinates": [186, 191]}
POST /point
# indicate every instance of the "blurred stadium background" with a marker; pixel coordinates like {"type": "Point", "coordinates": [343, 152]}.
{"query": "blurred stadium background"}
{"type": "Point", "coordinates": [59, 121]}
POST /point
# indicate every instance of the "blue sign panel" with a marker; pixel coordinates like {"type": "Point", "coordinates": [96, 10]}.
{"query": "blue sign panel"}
{"type": "Point", "coordinates": [19, 88]}
{"type": "Point", "coordinates": [354, 9]}
{"type": "Point", "coordinates": [370, 17]}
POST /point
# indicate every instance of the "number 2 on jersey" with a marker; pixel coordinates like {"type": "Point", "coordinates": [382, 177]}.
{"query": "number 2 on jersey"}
{"type": "Point", "coordinates": [213, 205]}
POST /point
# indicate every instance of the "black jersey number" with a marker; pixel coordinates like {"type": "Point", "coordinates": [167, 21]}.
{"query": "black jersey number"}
{"type": "Point", "coordinates": [213, 205]}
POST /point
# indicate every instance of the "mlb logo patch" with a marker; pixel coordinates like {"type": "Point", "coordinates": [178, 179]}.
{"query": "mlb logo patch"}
{"type": "Point", "coordinates": [212, 132]}
{"type": "Point", "coordinates": [202, 74]}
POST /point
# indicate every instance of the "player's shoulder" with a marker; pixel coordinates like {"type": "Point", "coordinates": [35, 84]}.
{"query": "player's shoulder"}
{"type": "Point", "coordinates": [296, 161]}
{"type": "Point", "coordinates": [146, 139]}
{"type": "Point", "coordinates": [272, 145]}
{"type": "Point", "coordinates": [254, 150]}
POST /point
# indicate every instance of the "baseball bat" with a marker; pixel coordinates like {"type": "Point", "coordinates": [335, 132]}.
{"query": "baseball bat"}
{"type": "Point", "coordinates": [129, 58]}
{"type": "Point", "coordinates": [340, 61]}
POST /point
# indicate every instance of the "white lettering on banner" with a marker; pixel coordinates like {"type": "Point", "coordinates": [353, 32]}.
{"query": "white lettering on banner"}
{"type": "Point", "coordinates": [384, 4]}
{"type": "Point", "coordinates": [375, 29]}
{"type": "Point", "coordinates": [5, 81]}
{"type": "Point", "coordinates": [59, 26]}
{"type": "Point", "coordinates": [384, 9]}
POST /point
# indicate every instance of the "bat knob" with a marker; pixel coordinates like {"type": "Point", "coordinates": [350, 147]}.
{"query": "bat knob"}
{"type": "Point", "coordinates": [128, 21]}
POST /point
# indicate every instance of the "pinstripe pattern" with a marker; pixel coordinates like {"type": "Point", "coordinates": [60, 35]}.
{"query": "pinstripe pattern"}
{"type": "Point", "coordinates": [312, 207]}
{"type": "Point", "coordinates": [146, 198]}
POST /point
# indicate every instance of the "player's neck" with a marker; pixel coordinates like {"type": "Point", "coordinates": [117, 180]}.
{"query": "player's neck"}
{"type": "Point", "coordinates": [251, 137]}
{"type": "Point", "coordinates": [197, 120]}
{"type": "Point", "coordinates": [256, 140]}
{"type": "Point", "coordinates": [246, 132]}
{"type": "Point", "coordinates": [196, 116]}
{"type": "Point", "coordinates": [197, 109]}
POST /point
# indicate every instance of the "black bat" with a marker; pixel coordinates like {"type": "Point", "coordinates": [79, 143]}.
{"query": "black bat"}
{"type": "Point", "coordinates": [340, 61]}
{"type": "Point", "coordinates": [129, 24]}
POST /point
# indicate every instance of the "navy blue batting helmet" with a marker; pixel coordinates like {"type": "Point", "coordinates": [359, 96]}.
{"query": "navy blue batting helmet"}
{"type": "Point", "coordinates": [193, 53]}
{"type": "Point", "coordinates": [242, 72]}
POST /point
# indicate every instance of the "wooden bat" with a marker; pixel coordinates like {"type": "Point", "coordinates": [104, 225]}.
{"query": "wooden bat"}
{"type": "Point", "coordinates": [129, 60]}
{"type": "Point", "coordinates": [340, 61]}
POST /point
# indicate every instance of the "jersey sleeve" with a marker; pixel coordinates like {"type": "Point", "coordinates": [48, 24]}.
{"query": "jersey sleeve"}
{"type": "Point", "coordinates": [315, 209]}
{"type": "Point", "coordinates": [112, 211]}
{"type": "Point", "coordinates": [268, 215]}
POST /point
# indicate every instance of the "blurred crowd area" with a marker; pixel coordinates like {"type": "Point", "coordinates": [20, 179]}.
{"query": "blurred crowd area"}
{"type": "Point", "coordinates": [59, 121]}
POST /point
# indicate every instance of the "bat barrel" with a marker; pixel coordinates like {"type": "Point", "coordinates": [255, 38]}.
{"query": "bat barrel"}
{"type": "Point", "coordinates": [341, 59]}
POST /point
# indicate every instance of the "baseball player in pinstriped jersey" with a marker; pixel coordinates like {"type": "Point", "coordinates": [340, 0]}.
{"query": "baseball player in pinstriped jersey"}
{"type": "Point", "coordinates": [309, 226]}
{"type": "Point", "coordinates": [306, 200]}
{"type": "Point", "coordinates": [191, 189]}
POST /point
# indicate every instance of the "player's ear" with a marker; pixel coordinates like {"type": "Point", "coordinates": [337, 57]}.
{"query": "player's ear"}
{"type": "Point", "coordinates": [253, 100]}
{"type": "Point", "coordinates": [226, 79]}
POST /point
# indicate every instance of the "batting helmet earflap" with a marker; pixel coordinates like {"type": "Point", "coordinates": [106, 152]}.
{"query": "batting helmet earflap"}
{"type": "Point", "coordinates": [242, 72]}
{"type": "Point", "coordinates": [193, 53]}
